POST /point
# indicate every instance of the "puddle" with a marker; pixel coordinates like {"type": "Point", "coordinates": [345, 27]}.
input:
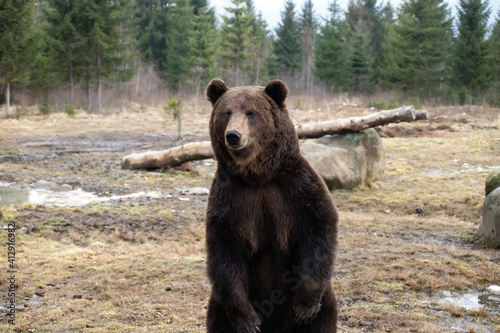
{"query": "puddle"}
{"type": "Point", "coordinates": [31, 303]}
{"type": "Point", "coordinates": [10, 195]}
{"type": "Point", "coordinates": [473, 301]}
{"type": "Point", "coordinates": [465, 168]}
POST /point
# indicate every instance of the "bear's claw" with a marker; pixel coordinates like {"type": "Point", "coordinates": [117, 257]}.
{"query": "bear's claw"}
{"type": "Point", "coordinates": [304, 316]}
{"type": "Point", "coordinates": [255, 329]}
{"type": "Point", "coordinates": [252, 326]}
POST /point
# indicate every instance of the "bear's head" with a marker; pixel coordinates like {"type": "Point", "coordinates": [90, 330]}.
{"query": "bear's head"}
{"type": "Point", "coordinates": [251, 131]}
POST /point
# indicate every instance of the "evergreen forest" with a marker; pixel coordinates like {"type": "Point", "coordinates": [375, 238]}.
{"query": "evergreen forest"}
{"type": "Point", "coordinates": [93, 52]}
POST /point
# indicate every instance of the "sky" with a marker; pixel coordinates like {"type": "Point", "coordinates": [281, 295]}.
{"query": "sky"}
{"type": "Point", "coordinates": [271, 9]}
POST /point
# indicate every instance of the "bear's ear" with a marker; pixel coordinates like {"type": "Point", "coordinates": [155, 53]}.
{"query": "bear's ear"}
{"type": "Point", "coordinates": [277, 90]}
{"type": "Point", "coordinates": [215, 89]}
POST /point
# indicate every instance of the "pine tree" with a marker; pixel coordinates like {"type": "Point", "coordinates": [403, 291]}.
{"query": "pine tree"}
{"type": "Point", "coordinates": [287, 46]}
{"type": "Point", "coordinates": [471, 68]}
{"type": "Point", "coordinates": [204, 46]}
{"type": "Point", "coordinates": [332, 58]}
{"type": "Point", "coordinates": [18, 44]}
{"type": "Point", "coordinates": [417, 49]}
{"type": "Point", "coordinates": [309, 26]}
{"type": "Point", "coordinates": [179, 55]}
{"type": "Point", "coordinates": [237, 41]}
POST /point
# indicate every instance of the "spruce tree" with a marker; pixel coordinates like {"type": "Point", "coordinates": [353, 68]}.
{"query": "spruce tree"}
{"type": "Point", "coordinates": [332, 58]}
{"type": "Point", "coordinates": [18, 44]}
{"type": "Point", "coordinates": [360, 34]}
{"type": "Point", "coordinates": [46, 70]}
{"type": "Point", "coordinates": [308, 26]}
{"type": "Point", "coordinates": [369, 25]}
{"type": "Point", "coordinates": [237, 40]}
{"type": "Point", "coordinates": [287, 46]}
{"type": "Point", "coordinates": [260, 46]}
{"type": "Point", "coordinates": [179, 55]}
{"type": "Point", "coordinates": [64, 39]}
{"type": "Point", "coordinates": [382, 18]}
{"type": "Point", "coordinates": [150, 30]}
{"type": "Point", "coordinates": [494, 61]}
{"type": "Point", "coordinates": [103, 38]}
{"type": "Point", "coordinates": [471, 67]}
{"type": "Point", "coordinates": [199, 6]}
{"type": "Point", "coordinates": [417, 49]}
{"type": "Point", "coordinates": [204, 47]}
{"type": "Point", "coordinates": [353, 15]}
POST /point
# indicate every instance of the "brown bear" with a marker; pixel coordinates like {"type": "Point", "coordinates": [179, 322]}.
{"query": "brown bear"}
{"type": "Point", "coordinates": [271, 226]}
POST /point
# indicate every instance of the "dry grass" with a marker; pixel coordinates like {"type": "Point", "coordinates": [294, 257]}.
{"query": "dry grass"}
{"type": "Point", "coordinates": [140, 266]}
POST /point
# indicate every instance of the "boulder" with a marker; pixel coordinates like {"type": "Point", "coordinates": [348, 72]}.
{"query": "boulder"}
{"type": "Point", "coordinates": [489, 228]}
{"type": "Point", "coordinates": [62, 188]}
{"type": "Point", "coordinates": [44, 185]}
{"type": "Point", "coordinates": [492, 181]}
{"type": "Point", "coordinates": [348, 160]}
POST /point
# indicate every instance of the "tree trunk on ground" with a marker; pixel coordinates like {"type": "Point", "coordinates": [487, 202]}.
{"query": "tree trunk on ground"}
{"type": "Point", "coordinates": [174, 156]}
{"type": "Point", "coordinates": [7, 98]}
{"type": "Point", "coordinates": [356, 124]}
{"type": "Point", "coordinates": [202, 150]}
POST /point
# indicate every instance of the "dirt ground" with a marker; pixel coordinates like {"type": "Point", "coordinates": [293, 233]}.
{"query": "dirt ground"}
{"type": "Point", "coordinates": [408, 251]}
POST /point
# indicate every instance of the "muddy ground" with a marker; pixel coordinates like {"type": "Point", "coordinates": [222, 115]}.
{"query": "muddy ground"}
{"type": "Point", "coordinates": [409, 259]}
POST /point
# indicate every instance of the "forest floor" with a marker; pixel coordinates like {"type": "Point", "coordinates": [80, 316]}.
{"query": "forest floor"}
{"type": "Point", "coordinates": [133, 259]}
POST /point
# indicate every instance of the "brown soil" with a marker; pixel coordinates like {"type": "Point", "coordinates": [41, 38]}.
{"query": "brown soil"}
{"type": "Point", "coordinates": [138, 264]}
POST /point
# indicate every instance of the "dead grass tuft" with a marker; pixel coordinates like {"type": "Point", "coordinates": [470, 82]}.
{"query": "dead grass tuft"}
{"type": "Point", "coordinates": [481, 312]}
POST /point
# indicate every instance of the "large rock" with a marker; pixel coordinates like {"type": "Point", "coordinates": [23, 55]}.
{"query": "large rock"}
{"type": "Point", "coordinates": [44, 185]}
{"type": "Point", "coordinates": [346, 161]}
{"type": "Point", "coordinates": [489, 228]}
{"type": "Point", "coordinates": [492, 181]}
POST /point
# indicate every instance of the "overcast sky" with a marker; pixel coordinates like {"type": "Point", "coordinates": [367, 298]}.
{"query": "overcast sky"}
{"type": "Point", "coordinates": [271, 9]}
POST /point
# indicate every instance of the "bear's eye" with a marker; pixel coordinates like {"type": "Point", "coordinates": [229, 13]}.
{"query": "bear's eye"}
{"type": "Point", "coordinates": [228, 113]}
{"type": "Point", "coordinates": [250, 114]}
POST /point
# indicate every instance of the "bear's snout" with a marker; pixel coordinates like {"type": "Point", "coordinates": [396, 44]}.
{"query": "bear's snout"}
{"type": "Point", "coordinates": [233, 138]}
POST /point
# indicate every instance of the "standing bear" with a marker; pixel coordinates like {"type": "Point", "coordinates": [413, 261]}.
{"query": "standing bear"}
{"type": "Point", "coordinates": [271, 226]}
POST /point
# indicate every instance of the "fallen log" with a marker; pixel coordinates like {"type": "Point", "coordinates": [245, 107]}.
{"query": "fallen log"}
{"type": "Point", "coordinates": [196, 151]}
{"type": "Point", "coordinates": [356, 124]}
{"type": "Point", "coordinates": [164, 159]}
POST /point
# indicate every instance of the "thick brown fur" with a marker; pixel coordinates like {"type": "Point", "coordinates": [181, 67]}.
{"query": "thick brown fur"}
{"type": "Point", "coordinates": [271, 224]}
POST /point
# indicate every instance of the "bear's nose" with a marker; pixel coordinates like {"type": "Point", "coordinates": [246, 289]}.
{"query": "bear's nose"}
{"type": "Point", "coordinates": [233, 138]}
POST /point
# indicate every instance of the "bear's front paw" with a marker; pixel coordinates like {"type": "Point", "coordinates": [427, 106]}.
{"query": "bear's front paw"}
{"type": "Point", "coordinates": [305, 314]}
{"type": "Point", "coordinates": [248, 325]}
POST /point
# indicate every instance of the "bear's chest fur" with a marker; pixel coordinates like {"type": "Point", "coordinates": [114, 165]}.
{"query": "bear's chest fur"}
{"type": "Point", "coordinates": [263, 218]}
